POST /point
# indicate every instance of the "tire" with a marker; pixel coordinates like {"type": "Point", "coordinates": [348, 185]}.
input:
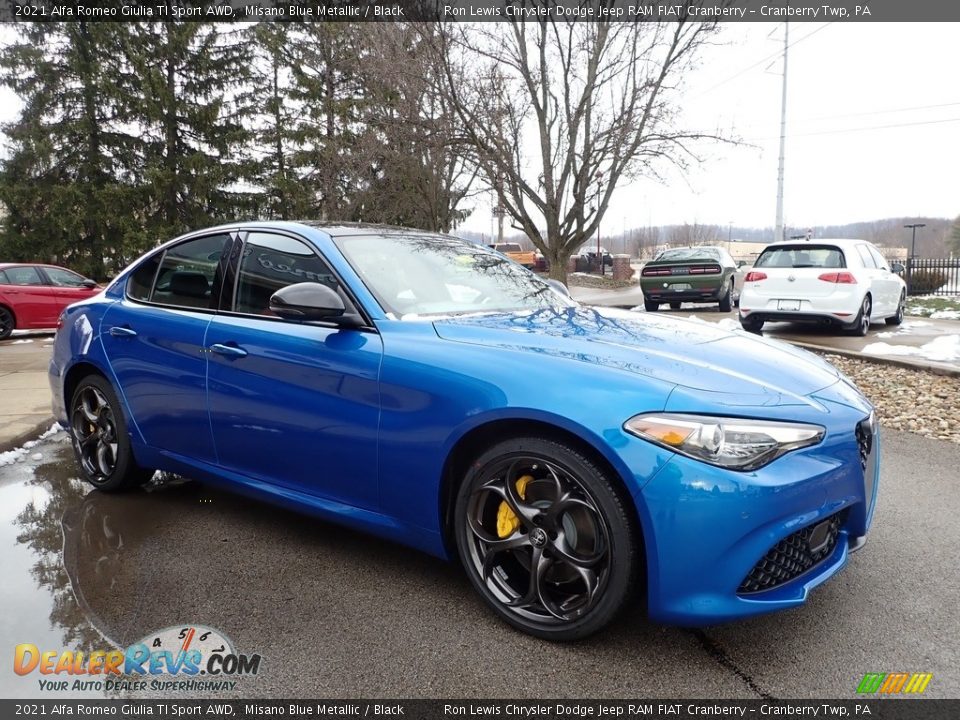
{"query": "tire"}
{"type": "Point", "coordinates": [582, 584]}
{"type": "Point", "coordinates": [7, 323]}
{"type": "Point", "coordinates": [100, 440]}
{"type": "Point", "coordinates": [674, 306]}
{"type": "Point", "coordinates": [726, 302]}
{"type": "Point", "coordinates": [901, 306]}
{"type": "Point", "coordinates": [650, 305]}
{"type": "Point", "coordinates": [862, 324]}
{"type": "Point", "coordinates": [751, 325]}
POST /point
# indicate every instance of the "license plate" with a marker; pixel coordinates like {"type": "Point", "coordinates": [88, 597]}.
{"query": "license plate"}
{"type": "Point", "coordinates": [788, 305]}
{"type": "Point", "coordinates": [679, 287]}
{"type": "Point", "coordinates": [680, 271]}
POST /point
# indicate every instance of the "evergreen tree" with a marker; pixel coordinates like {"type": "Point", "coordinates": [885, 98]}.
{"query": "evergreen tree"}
{"type": "Point", "coordinates": [66, 183]}
{"type": "Point", "coordinates": [184, 84]}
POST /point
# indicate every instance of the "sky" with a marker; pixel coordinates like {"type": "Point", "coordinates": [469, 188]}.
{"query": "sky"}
{"type": "Point", "coordinates": [847, 84]}
{"type": "Point", "coordinates": [873, 130]}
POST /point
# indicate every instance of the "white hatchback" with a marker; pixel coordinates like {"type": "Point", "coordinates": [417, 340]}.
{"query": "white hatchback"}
{"type": "Point", "coordinates": [845, 283]}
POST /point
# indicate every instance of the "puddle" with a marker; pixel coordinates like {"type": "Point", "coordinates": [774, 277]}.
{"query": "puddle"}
{"type": "Point", "coordinates": [67, 581]}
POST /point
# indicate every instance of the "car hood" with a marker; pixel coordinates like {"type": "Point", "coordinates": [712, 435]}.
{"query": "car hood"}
{"type": "Point", "coordinates": [689, 353]}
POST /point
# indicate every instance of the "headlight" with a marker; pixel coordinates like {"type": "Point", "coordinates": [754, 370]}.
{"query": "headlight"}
{"type": "Point", "coordinates": [728, 442]}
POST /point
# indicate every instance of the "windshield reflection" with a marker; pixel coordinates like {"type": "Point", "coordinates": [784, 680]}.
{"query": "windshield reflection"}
{"type": "Point", "coordinates": [413, 275]}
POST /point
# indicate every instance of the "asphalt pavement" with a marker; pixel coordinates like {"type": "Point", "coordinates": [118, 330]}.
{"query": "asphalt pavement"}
{"type": "Point", "coordinates": [338, 614]}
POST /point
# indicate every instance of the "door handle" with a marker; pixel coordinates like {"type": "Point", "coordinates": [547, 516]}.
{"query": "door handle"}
{"type": "Point", "coordinates": [231, 351]}
{"type": "Point", "coordinates": [123, 332]}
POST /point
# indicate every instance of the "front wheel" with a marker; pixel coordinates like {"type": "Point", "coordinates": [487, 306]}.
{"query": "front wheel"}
{"type": "Point", "coordinates": [100, 440]}
{"type": "Point", "coordinates": [546, 538]}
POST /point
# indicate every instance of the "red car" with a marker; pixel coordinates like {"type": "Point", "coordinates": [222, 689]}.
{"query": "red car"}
{"type": "Point", "coordinates": [33, 296]}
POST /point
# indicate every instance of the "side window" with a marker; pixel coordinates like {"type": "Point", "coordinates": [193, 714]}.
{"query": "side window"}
{"type": "Point", "coordinates": [864, 252]}
{"type": "Point", "coordinates": [3, 278]}
{"type": "Point", "coordinates": [23, 276]}
{"type": "Point", "coordinates": [63, 278]}
{"type": "Point", "coordinates": [141, 282]}
{"type": "Point", "coordinates": [878, 258]}
{"type": "Point", "coordinates": [186, 274]}
{"type": "Point", "coordinates": [271, 262]}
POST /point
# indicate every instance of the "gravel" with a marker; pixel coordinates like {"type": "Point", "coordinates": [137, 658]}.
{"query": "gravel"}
{"type": "Point", "coordinates": [913, 400]}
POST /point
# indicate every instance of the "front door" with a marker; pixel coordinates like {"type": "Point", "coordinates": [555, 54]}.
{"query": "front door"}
{"type": "Point", "coordinates": [293, 404]}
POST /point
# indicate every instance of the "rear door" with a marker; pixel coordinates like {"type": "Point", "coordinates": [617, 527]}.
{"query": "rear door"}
{"type": "Point", "coordinates": [155, 342]}
{"type": "Point", "coordinates": [291, 403]}
{"type": "Point", "coordinates": [32, 302]}
{"type": "Point", "coordinates": [878, 285]}
{"type": "Point", "coordinates": [890, 282]}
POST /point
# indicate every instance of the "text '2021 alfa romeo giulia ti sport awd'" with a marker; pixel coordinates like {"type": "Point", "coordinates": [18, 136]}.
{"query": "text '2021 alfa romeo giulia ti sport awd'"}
{"type": "Point", "coordinates": [436, 393]}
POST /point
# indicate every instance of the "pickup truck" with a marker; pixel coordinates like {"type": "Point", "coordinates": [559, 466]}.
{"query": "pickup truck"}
{"type": "Point", "coordinates": [527, 258]}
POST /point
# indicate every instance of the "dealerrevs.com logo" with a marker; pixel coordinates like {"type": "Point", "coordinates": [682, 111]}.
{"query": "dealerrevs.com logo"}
{"type": "Point", "coordinates": [174, 658]}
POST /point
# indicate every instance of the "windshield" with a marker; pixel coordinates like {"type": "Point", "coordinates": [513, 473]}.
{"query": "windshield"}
{"type": "Point", "coordinates": [802, 256]}
{"type": "Point", "coordinates": [689, 253]}
{"type": "Point", "coordinates": [413, 275]}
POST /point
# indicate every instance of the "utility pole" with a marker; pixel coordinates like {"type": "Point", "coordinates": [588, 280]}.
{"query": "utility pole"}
{"type": "Point", "coordinates": [778, 230]}
{"type": "Point", "coordinates": [913, 240]}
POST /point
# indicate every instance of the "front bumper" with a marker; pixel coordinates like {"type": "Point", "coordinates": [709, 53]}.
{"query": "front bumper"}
{"type": "Point", "coordinates": [712, 534]}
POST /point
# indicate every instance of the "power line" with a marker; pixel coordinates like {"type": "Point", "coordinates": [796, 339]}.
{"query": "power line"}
{"type": "Point", "coordinates": [878, 112]}
{"type": "Point", "coordinates": [866, 128]}
{"type": "Point", "coordinates": [747, 69]}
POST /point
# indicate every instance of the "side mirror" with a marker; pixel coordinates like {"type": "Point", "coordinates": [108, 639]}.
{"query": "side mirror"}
{"type": "Point", "coordinates": [558, 286]}
{"type": "Point", "coordinates": [89, 284]}
{"type": "Point", "coordinates": [306, 301]}
{"type": "Point", "coordinates": [741, 263]}
{"type": "Point", "coordinates": [897, 268]}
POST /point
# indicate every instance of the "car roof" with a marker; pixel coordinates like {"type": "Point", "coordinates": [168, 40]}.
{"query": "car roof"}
{"type": "Point", "coordinates": [840, 242]}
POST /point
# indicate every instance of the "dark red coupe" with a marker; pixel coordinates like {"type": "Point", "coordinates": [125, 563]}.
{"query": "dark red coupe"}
{"type": "Point", "coordinates": [33, 296]}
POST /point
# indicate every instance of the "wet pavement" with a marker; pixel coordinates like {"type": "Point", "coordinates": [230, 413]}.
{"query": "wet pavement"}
{"type": "Point", "coordinates": [338, 614]}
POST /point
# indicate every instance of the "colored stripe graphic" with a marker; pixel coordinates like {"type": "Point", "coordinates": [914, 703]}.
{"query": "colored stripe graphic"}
{"type": "Point", "coordinates": [893, 683]}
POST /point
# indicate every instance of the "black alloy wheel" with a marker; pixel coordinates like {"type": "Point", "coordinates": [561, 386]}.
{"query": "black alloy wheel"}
{"type": "Point", "coordinates": [7, 323]}
{"type": "Point", "coordinates": [901, 309]}
{"type": "Point", "coordinates": [546, 538]}
{"type": "Point", "coordinates": [100, 440]}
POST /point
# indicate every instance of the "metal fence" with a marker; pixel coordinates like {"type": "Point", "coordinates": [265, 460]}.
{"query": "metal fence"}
{"type": "Point", "coordinates": [933, 276]}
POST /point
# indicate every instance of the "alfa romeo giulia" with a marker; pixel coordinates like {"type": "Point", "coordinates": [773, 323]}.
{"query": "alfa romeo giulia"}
{"type": "Point", "coordinates": [435, 393]}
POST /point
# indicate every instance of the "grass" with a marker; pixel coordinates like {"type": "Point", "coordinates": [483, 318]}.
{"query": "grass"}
{"type": "Point", "coordinates": [926, 305]}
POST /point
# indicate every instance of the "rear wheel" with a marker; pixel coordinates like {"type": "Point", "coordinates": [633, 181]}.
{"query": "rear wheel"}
{"type": "Point", "coordinates": [751, 324]}
{"type": "Point", "coordinates": [650, 305]}
{"type": "Point", "coordinates": [545, 538]}
{"type": "Point", "coordinates": [674, 306]}
{"type": "Point", "coordinates": [726, 302]}
{"type": "Point", "coordinates": [862, 323]}
{"type": "Point", "coordinates": [100, 440]}
{"type": "Point", "coordinates": [7, 323]}
{"type": "Point", "coordinates": [901, 307]}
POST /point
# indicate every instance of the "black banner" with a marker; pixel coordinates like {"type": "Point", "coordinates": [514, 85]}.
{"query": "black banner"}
{"type": "Point", "coordinates": [876, 709]}
{"type": "Point", "coordinates": [479, 10]}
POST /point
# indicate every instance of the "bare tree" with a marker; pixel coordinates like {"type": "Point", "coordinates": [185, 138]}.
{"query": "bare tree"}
{"type": "Point", "coordinates": [559, 111]}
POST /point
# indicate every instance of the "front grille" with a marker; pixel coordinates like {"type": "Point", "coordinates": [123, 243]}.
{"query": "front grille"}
{"type": "Point", "coordinates": [792, 557]}
{"type": "Point", "coordinates": [864, 434]}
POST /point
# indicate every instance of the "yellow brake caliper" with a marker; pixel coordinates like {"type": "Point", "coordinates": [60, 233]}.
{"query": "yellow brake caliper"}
{"type": "Point", "coordinates": [507, 520]}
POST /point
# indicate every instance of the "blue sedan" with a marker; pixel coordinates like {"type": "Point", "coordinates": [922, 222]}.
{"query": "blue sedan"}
{"type": "Point", "coordinates": [435, 393]}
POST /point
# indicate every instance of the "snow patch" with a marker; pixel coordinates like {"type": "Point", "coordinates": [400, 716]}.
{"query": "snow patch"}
{"type": "Point", "coordinates": [20, 454]}
{"type": "Point", "coordinates": [945, 315]}
{"type": "Point", "coordinates": [945, 348]}
{"type": "Point", "coordinates": [21, 342]}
